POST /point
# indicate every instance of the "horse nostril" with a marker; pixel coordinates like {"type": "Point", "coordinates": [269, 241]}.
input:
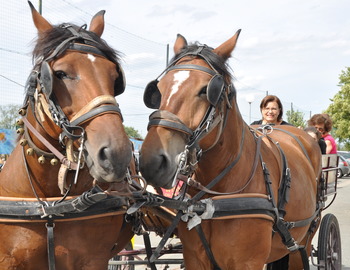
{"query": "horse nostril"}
{"type": "Point", "coordinates": [105, 157]}
{"type": "Point", "coordinates": [102, 154]}
{"type": "Point", "coordinates": [157, 164]}
{"type": "Point", "coordinates": [163, 162]}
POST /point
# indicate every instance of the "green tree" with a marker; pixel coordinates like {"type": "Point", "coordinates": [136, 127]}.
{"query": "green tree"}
{"type": "Point", "coordinates": [133, 133]}
{"type": "Point", "coordinates": [295, 118]}
{"type": "Point", "coordinates": [339, 110]}
{"type": "Point", "coordinates": [9, 115]}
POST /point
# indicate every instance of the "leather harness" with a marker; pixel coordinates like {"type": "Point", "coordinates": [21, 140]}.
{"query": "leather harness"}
{"type": "Point", "coordinates": [230, 206]}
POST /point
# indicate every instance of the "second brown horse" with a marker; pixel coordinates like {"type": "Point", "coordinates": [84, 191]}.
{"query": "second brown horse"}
{"type": "Point", "coordinates": [198, 131]}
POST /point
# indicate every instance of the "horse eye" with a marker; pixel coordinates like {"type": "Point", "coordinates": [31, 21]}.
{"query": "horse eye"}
{"type": "Point", "coordinates": [60, 74]}
{"type": "Point", "coordinates": [203, 91]}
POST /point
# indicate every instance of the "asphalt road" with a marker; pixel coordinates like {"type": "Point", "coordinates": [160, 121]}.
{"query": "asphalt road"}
{"type": "Point", "coordinates": [340, 208]}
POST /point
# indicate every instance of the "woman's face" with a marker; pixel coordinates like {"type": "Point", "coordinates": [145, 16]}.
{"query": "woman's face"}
{"type": "Point", "coordinates": [271, 112]}
{"type": "Point", "coordinates": [320, 127]}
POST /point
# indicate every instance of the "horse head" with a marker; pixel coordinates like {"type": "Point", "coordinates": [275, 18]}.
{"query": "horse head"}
{"type": "Point", "coordinates": [71, 95]}
{"type": "Point", "coordinates": [192, 99]}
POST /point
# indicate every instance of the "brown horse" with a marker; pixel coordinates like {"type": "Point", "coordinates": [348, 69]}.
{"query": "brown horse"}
{"type": "Point", "coordinates": [70, 115]}
{"type": "Point", "coordinates": [199, 132]}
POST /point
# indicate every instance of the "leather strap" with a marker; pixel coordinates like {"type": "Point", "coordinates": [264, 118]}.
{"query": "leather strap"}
{"type": "Point", "coordinates": [86, 48]}
{"type": "Point", "coordinates": [193, 67]}
{"type": "Point", "coordinates": [50, 244]}
{"type": "Point", "coordinates": [97, 101]}
{"type": "Point", "coordinates": [92, 202]}
{"type": "Point", "coordinates": [207, 247]}
{"type": "Point", "coordinates": [64, 160]}
{"type": "Point", "coordinates": [297, 140]}
{"type": "Point", "coordinates": [304, 258]}
{"type": "Point", "coordinates": [149, 251]}
{"type": "Point", "coordinates": [168, 120]}
{"type": "Point", "coordinates": [166, 236]}
{"type": "Point", "coordinates": [223, 172]}
{"type": "Point", "coordinates": [96, 111]}
{"type": "Point", "coordinates": [193, 183]}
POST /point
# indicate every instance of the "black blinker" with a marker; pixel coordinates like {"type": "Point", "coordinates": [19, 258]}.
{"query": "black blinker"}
{"type": "Point", "coordinates": [152, 95]}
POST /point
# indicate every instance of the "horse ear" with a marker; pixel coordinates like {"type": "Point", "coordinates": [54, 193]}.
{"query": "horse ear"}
{"type": "Point", "coordinates": [226, 48]}
{"type": "Point", "coordinates": [180, 43]}
{"type": "Point", "coordinates": [97, 23]}
{"type": "Point", "coordinates": [39, 21]}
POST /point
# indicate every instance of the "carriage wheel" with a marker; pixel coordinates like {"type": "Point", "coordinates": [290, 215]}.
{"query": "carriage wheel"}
{"type": "Point", "coordinates": [329, 246]}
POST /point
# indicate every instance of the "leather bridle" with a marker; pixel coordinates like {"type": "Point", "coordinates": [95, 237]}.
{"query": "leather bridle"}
{"type": "Point", "coordinates": [44, 102]}
{"type": "Point", "coordinates": [214, 116]}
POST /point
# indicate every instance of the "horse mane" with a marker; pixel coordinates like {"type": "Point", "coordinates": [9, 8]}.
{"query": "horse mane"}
{"type": "Point", "coordinates": [49, 40]}
{"type": "Point", "coordinates": [219, 63]}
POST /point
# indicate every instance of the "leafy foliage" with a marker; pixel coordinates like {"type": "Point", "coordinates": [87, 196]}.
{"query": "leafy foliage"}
{"type": "Point", "coordinates": [295, 118]}
{"type": "Point", "coordinates": [133, 133]}
{"type": "Point", "coordinates": [339, 110]}
{"type": "Point", "coordinates": [9, 115]}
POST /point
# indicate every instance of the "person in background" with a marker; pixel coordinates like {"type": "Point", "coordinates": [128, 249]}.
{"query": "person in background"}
{"type": "Point", "coordinates": [272, 111]}
{"type": "Point", "coordinates": [323, 123]}
{"type": "Point", "coordinates": [314, 133]}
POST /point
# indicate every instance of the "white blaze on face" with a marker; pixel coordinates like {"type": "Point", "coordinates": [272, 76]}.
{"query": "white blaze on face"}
{"type": "Point", "coordinates": [91, 57]}
{"type": "Point", "coordinates": [179, 78]}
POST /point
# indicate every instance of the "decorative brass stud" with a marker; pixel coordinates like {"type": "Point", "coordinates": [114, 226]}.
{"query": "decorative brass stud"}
{"type": "Point", "coordinates": [19, 122]}
{"type": "Point", "coordinates": [20, 131]}
{"type": "Point", "coordinates": [30, 151]}
{"type": "Point", "coordinates": [41, 159]}
{"type": "Point", "coordinates": [23, 142]}
{"type": "Point", "coordinates": [22, 112]}
{"type": "Point", "coordinates": [54, 161]}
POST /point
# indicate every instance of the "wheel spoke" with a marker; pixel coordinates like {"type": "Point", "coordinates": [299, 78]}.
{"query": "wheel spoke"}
{"type": "Point", "coordinates": [329, 253]}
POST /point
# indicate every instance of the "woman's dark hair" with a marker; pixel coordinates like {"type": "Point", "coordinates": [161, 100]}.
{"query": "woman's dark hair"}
{"type": "Point", "coordinates": [319, 119]}
{"type": "Point", "coordinates": [272, 98]}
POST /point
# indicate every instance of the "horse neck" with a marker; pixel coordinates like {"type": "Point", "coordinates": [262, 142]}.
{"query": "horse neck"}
{"type": "Point", "coordinates": [228, 149]}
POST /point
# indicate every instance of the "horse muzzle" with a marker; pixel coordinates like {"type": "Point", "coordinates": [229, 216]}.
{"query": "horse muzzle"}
{"type": "Point", "coordinates": [108, 163]}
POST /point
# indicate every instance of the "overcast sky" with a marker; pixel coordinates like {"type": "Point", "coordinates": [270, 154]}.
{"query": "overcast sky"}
{"type": "Point", "coordinates": [294, 49]}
